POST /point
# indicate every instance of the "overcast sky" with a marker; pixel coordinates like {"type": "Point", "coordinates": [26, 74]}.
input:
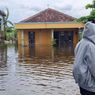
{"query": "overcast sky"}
{"type": "Point", "coordinates": [20, 9]}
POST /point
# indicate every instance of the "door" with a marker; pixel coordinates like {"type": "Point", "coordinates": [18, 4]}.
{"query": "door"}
{"type": "Point", "coordinates": [31, 38]}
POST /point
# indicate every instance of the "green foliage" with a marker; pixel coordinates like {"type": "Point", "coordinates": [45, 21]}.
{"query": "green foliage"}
{"type": "Point", "coordinates": [92, 12]}
{"type": "Point", "coordinates": [90, 5]}
{"type": "Point", "coordinates": [11, 33]}
{"type": "Point", "coordinates": [83, 19]}
{"type": "Point", "coordinates": [9, 30]}
{"type": "Point", "coordinates": [91, 16]}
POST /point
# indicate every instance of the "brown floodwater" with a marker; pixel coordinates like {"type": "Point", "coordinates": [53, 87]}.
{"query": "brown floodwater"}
{"type": "Point", "coordinates": [41, 70]}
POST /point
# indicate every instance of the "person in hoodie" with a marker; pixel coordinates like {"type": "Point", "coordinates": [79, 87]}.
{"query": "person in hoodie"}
{"type": "Point", "coordinates": [84, 63]}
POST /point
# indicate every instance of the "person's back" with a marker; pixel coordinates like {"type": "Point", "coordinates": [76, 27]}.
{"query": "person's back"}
{"type": "Point", "coordinates": [84, 64]}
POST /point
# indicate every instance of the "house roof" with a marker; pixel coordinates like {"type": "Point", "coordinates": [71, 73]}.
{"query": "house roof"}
{"type": "Point", "coordinates": [49, 15]}
{"type": "Point", "coordinates": [2, 13]}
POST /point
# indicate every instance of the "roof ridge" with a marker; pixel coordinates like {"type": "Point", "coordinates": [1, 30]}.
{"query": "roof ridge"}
{"type": "Point", "coordinates": [62, 13]}
{"type": "Point", "coordinates": [46, 10]}
{"type": "Point", "coordinates": [34, 15]}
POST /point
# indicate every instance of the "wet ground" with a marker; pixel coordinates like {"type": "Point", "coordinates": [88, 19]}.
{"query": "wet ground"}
{"type": "Point", "coordinates": [37, 71]}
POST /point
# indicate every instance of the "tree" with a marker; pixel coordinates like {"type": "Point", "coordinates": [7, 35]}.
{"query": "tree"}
{"type": "Point", "coordinates": [11, 34]}
{"type": "Point", "coordinates": [7, 23]}
{"type": "Point", "coordinates": [90, 5]}
{"type": "Point", "coordinates": [83, 19]}
{"type": "Point", "coordinates": [91, 16]}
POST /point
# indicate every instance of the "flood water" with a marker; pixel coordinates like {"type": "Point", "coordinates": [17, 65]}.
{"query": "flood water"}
{"type": "Point", "coordinates": [43, 70]}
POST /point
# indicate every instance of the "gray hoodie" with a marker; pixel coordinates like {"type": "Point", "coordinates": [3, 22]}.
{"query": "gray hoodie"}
{"type": "Point", "coordinates": [84, 64]}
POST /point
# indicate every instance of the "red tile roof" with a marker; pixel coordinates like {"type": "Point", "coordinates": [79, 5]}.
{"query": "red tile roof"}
{"type": "Point", "coordinates": [49, 15]}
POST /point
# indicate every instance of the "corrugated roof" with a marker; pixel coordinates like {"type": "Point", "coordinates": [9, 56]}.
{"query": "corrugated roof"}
{"type": "Point", "coordinates": [49, 15]}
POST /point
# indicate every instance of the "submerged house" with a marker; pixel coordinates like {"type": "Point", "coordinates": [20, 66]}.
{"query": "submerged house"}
{"type": "Point", "coordinates": [48, 27]}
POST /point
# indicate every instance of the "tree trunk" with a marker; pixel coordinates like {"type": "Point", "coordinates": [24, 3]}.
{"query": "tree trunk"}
{"type": "Point", "coordinates": [1, 37]}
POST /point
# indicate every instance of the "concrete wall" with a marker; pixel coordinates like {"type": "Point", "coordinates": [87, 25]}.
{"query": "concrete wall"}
{"type": "Point", "coordinates": [23, 39]}
{"type": "Point", "coordinates": [48, 25]}
{"type": "Point", "coordinates": [19, 37]}
{"type": "Point", "coordinates": [42, 37]}
{"type": "Point", "coordinates": [75, 38]}
{"type": "Point", "coordinates": [26, 38]}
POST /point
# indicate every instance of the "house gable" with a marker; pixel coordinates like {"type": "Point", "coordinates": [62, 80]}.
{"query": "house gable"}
{"type": "Point", "coordinates": [49, 15]}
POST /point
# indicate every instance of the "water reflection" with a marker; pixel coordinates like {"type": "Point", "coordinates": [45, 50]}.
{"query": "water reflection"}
{"type": "Point", "coordinates": [3, 55]}
{"type": "Point", "coordinates": [49, 53]}
{"type": "Point", "coordinates": [41, 70]}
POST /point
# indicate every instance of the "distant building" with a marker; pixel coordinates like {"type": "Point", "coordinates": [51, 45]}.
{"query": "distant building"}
{"type": "Point", "coordinates": [2, 16]}
{"type": "Point", "coordinates": [48, 27]}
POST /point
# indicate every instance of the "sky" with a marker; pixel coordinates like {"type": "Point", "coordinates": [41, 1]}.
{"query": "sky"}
{"type": "Point", "coordinates": [21, 9]}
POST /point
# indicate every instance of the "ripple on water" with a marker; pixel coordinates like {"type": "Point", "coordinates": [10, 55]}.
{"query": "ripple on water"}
{"type": "Point", "coordinates": [35, 73]}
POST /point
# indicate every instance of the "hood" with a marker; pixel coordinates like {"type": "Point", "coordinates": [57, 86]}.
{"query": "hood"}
{"type": "Point", "coordinates": [89, 31]}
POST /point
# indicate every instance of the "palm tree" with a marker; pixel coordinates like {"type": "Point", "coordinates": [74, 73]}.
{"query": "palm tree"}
{"type": "Point", "coordinates": [2, 13]}
{"type": "Point", "coordinates": [7, 23]}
